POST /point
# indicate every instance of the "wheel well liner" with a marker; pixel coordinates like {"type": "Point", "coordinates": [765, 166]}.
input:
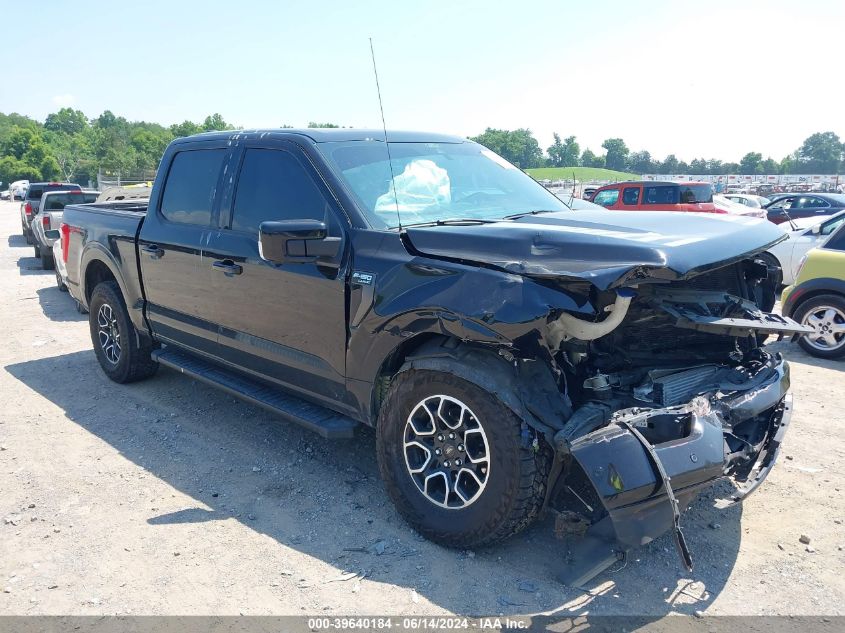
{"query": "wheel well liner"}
{"type": "Point", "coordinates": [97, 272]}
{"type": "Point", "coordinates": [526, 386]}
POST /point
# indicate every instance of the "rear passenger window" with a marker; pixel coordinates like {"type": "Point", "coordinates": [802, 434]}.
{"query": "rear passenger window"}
{"type": "Point", "coordinates": [606, 198]}
{"type": "Point", "coordinates": [273, 185]}
{"type": "Point", "coordinates": [631, 195]}
{"type": "Point", "coordinates": [191, 185]}
{"type": "Point", "coordinates": [660, 195]}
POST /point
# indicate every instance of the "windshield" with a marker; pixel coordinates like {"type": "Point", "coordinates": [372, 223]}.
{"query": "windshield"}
{"type": "Point", "coordinates": [435, 182]}
{"type": "Point", "coordinates": [57, 201]}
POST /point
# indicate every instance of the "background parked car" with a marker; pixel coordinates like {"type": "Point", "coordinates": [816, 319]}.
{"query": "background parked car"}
{"type": "Point", "coordinates": [32, 201]}
{"type": "Point", "coordinates": [725, 205]}
{"type": "Point", "coordinates": [804, 206]}
{"type": "Point", "coordinates": [748, 199]}
{"type": "Point", "coordinates": [817, 298]}
{"type": "Point", "coordinates": [803, 234]}
{"type": "Point", "coordinates": [5, 195]}
{"type": "Point", "coordinates": [55, 236]}
{"type": "Point", "coordinates": [49, 216]}
{"type": "Point", "coordinates": [656, 196]}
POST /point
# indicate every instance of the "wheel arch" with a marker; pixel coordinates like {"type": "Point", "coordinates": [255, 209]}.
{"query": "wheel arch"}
{"type": "Point", "coordinates": [810, 289]}
{"type": "Point", "coordinates": [526, 386]}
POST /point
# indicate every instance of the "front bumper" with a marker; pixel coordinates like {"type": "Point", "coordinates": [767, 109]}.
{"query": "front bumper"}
{"type": "Point", "coordinates": [627, 494]}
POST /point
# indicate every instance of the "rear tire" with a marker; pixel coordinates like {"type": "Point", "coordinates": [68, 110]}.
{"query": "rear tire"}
{"type": "Point", "coordinates": [46, 258]}
{"type": "Point", "coordinates": [826, 314]}
{"type": "Point", "coordinates": [59, 283]}
{"type": "Point", "coordinates": [506, 491]}
{"type": "Point", "coordinates": [122, 353]}
{"type": "Point", "coordinates": [28, 236]}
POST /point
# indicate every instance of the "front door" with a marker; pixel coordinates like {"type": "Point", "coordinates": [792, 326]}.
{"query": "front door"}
{"type": "Point", "coordinates": [285, 323]}
{"type": "Point", "coordinates": [176, 283]}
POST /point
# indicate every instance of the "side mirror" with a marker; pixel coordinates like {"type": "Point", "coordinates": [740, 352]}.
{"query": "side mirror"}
{"type": "Point", "coordinates": [295, 241]}
{"type": "Point", "coordinates": [53, 234]}
{"type": "Point", "coordinates": [816, 230]}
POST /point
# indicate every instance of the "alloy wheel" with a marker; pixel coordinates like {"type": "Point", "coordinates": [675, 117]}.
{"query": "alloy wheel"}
{"type": "Point", "coordinates": [446, 452]}
{"type": "Point", "coordinates": [829, 325]}
{"type": "Point", "coordinates": [108, 333]}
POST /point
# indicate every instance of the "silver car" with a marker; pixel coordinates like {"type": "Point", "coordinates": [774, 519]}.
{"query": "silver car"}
{"type": "Point", "coordinates": [49, 216]}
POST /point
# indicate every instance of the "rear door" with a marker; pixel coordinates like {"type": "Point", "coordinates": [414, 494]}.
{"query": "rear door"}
{"type": "Point", "coordinates": [285, 323]}
{"type": "Point", "coordinates": [660, 198]}
{"type": "Point", "coordinates": [177, 284]}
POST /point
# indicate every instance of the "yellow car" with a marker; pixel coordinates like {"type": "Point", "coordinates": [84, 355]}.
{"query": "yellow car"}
{"type": "Point", "coordinates": [817, 298]}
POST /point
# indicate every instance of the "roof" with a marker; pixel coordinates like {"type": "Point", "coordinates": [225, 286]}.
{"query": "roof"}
{"type": "Point", "coordinates": [678, 183]}
{"type": "Point", "coordinates": [326, 135]}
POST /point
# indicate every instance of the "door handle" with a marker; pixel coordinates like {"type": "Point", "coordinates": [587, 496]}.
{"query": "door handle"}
{"type": "Point", "coordinates": [153, 251]}
{"type": "Point", "coordinates": [228, 267]}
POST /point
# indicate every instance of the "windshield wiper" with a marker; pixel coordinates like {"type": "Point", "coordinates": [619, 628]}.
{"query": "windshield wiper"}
{"type": "Point", "coordinates": [453, 222]}
{"type": "Point", "coordinates": [524, 213]}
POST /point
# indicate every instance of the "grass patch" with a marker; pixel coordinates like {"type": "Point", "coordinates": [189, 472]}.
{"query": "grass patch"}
{"type": "Point", "coordinates": [581, 173]}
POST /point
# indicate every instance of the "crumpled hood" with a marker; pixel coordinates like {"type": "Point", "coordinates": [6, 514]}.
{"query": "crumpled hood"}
{"type": "Point", "coordinates": [606, 248]}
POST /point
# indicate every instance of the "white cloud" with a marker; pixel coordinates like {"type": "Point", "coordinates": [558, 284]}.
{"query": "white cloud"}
{"type": "Point", "coordinates": [64, 101]}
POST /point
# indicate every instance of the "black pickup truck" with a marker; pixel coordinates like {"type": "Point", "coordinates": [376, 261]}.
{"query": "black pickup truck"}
{"type": "Point", "coordinates": [515, 357]}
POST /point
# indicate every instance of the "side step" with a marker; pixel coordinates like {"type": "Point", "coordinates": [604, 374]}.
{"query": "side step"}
{"type": "Point", "coordinates": [323, 421]}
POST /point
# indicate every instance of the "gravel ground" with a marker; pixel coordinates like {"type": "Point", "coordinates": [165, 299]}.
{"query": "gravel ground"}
{"type": "Point", "coordinates": [169, 497]}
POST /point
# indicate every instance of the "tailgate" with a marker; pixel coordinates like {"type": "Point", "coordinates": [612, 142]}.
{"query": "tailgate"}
{"type": "Point", "coordinates": [723, 313]}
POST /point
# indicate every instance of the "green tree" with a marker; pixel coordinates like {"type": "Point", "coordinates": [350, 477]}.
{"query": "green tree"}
{"type": "Point", "coordinates": [517, 146]}
{"type": "Point", "coordinates": [66, 121]}
{"type": "Point", "coordinates": [564, 153]}
{"type": "Point", "coordinates": [641, 162]}
{"type": "Point", "coordinates": [555, 151]}
{"type": "Point", "coordinates": [769, 166]}
{"type": "Point", "coordinates": [750, 163]}
{"type": "Point", "coordinates": [588, 159]}
{"type": "Point", "coordinates": [12, 169]}
{"type": "Point", "coordinates": [185, 128]}
{"type": "Point", "coordinates": [312, 124]}
{"type": "Point", "coordinates": [821, 153]}
{"type": "Point", "coordinates": [215, 122]}
{"type": "Point", "coordinates": [617, 153]}
{"type": "Point", "coordinates": [669, 165]}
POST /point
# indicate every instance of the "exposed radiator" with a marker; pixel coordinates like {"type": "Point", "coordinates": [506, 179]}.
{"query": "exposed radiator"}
{"type": "Point", "coordinates": [677, 388]}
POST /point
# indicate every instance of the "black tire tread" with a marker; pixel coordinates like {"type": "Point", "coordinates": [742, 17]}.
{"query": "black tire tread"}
{"type": "Point", "coordinates": [140, 363]}
{"type": "Point", "coordinates": [511, 518]}
{"type": "Point", "coordinates": [804, 307]}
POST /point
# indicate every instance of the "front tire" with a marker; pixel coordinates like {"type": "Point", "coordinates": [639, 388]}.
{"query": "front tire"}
{"type": "Point", "coordinates": [456, 461]}
{"type": "Point", "coordinates": [826, 315]}
{"type": "Point", "coordinates": [123, 355]}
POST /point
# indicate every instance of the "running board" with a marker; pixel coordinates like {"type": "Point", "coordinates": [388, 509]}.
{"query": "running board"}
{"type": "Point", "coordinates": [323, 421]}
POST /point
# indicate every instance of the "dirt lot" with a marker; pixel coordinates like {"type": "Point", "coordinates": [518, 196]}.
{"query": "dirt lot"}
{"type": "Point", "coordinates": [168, 497]}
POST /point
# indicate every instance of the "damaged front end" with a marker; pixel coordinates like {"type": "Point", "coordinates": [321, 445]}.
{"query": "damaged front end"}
{"type": "Point", "coordinates": [676, 395]}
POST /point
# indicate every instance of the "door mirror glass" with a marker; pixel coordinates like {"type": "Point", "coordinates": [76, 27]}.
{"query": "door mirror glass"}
{"type": "Point", "coordinates": [295, 241]}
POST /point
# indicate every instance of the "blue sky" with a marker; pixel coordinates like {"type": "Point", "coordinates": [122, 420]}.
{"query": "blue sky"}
{"type": "Point", "coordinates": [704, 79]}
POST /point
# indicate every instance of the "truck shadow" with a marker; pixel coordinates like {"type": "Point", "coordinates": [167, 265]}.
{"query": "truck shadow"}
{"type": "Point", "coordinates": [16, 241]}
{"type": "Point", "coordinates": [58, 305]}
{"type": "Point", "coordinates": [31, 266]}
{"type": "Point", "coordinates": [325, 499]}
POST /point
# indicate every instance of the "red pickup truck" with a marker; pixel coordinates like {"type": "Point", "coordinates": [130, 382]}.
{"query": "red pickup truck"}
{"type": "Point", "coordinates": [657, 196]}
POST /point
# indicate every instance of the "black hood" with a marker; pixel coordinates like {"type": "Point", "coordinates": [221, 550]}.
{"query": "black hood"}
{"type": "Point", "coordinates": [606, 248]}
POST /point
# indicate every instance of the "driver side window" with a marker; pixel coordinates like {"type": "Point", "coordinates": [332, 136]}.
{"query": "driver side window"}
{"type": "Point", "coordinates": [830, 227]}
{"type": "Point", "coordinates": [274, 185]}
{"type": "Point", "coordinates": [606, 198]}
